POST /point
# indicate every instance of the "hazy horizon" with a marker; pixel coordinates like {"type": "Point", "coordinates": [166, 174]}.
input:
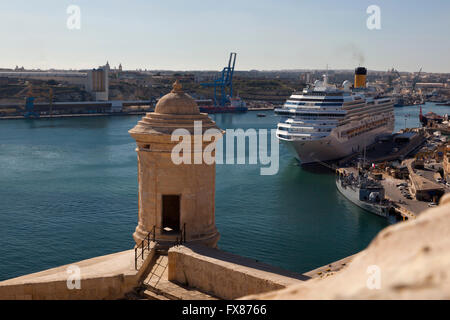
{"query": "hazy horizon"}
{"type": "Point", "coordinates": [198, 35]}
{"type": "Point", "coordinates": [221, 67]}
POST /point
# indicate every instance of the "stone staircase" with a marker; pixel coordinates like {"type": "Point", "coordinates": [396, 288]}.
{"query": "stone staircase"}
{"type": "Point", "coordinates": [158, 271]}
{"type": "Point", "coordinates": [157, 286]}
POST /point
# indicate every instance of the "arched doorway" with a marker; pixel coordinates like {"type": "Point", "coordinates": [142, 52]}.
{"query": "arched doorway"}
{"type": "Point", "coordinates": [171, 213]}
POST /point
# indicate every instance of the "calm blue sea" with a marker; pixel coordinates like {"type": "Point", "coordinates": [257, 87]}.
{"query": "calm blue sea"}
{"type": "Point", "coordinates": [68, 191]}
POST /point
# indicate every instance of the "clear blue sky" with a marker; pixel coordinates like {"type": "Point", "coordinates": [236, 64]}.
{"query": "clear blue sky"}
{"type": "Point", "coordinates": [199, 34]}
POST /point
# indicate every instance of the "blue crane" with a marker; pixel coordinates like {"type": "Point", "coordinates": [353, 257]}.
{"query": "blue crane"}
{"type": "Point", "coordinates": [222, 81]}
{"type": "Point", "coordinates": [29, 105]}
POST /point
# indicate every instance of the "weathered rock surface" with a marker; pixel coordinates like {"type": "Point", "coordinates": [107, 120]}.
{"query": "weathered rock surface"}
{"type": "Point", "coordinates": [413, 260]}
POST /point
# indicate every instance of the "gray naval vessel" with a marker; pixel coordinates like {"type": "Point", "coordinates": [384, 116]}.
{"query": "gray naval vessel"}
{"type": "Point", "coordinates": [366, 193]}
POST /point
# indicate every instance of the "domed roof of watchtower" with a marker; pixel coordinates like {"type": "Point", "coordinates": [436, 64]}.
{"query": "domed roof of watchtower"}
{"type": "Point", "coordinates": [177, 102]}
{"type": "Point", "coordinates": [176, 110]}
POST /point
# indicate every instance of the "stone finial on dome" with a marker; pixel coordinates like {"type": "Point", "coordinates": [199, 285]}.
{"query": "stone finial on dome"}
{"type": "Point", "coordinates": [177, 102]}
{"type": "Point", "coordinates": [177, 87]}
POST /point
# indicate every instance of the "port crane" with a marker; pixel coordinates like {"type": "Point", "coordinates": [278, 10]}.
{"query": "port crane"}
{"type": "Point", "coordinates": [29, 104]}
{"type": "Point", "coordinates": [398, 74]}
{"type": "Point", "coordinates": [393, 75]}
{"type": "Point", "coordinates": [415, 80]}
{"type": "Point", "coordinates": [30, 112]}
{"type": "Point", "coordinates": [222, 81]}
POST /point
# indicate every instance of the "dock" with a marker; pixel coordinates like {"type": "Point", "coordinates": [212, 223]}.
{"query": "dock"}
{"type": "Point", "coordinates": [78, 115]}
{"type": "Point", "coordinates": [261, 108]}
{"type": "Point", "coordinates": [74, 109]}
{"type": "Point", "coordinates": [397, 162]}
{"type": "Point", "coordinates": [390, 148]}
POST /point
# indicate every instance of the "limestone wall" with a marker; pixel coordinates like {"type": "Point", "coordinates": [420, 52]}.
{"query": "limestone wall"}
{"type": "Point", "coordinates": [106, 277]}
{"type": "Point", "coordinates": [113, 287]}
{"type": "Point", "coordinates": [225, 275]}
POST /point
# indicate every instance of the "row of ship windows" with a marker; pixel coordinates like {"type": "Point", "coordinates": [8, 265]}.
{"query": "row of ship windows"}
{"type": "Point", "coordinates": [284, 136]}
{"type": "Point", "coordinates": [322, 94]}
{"type": "Point", "coordinates": [317, 100]}
{"type": "Point", "coordinates": [369, 107]}
{"type": "Point", "coordinates": [372, 126]}
{"type": "Point", "coordinates": [315, 123]}
{"type": "Point", "coordinates": [356, 115]}
{"type": "Point", "coordinates": [294, 130]}
{"type": "Point", "coordinates": [364, 107]}
{"type": "Point", "coordinates": [319, 115]}
{"type": "Point", "coordinates": [290, 137]}
{"type": "Point", "coordinates": [318, 104]}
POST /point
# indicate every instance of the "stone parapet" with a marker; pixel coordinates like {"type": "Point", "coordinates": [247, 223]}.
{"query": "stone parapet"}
{"type": "Point", "coordinates": [225, 275]}
{"type": "Point", "coordinates": [101, 278]}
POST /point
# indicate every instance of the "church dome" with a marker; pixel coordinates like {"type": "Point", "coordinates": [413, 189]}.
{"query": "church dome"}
{"type": "Point", "coordinates": [177, 102]}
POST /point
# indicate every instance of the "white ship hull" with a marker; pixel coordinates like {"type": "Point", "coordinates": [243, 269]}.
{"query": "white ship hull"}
{"type": "Point", "coordinates": [332, 147]}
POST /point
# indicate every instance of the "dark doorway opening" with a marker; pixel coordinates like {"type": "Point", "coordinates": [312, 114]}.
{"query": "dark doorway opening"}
{"type": "Point", "coordinates": [171, 213]}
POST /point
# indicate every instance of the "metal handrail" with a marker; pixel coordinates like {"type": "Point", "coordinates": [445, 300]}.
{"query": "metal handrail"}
{"type": "Point", "coordinates": [182, 236]}
{"type": "Point", "coordinates": [142, 247]}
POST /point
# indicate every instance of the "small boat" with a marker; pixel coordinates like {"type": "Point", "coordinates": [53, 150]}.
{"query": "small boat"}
{"type": "Point", "coordinates": [236, 105]}
{"type": "Point", "coordinates": [261, 115]}
{"type": "Point", "coordinates": [427, 119]}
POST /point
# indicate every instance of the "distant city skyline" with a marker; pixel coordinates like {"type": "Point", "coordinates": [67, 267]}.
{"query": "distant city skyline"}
{"type": "Point", "coordinates": [198, 35]}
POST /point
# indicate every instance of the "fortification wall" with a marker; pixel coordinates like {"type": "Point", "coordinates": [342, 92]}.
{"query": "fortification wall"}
{"type": "Point", "coordinates": [225, 275]}
{"type": "Point", "coordinates": [101, 278]}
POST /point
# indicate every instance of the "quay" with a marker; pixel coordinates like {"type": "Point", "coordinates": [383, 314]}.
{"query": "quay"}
{"type": "Point", "coordinates": [407, 208]}
{"type": "Point", "coordinates": [389, 148]}
{"type": "Point", "coordinates": [410, 166]}
{"type": "Point", "coordinates": [73, 109]}
{"type": "Point", "coordinates": [261, 108]}
{"type": "Point", "coordinates": [78, 115]}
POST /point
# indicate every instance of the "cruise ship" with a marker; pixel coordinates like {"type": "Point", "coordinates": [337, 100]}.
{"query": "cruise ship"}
{"type": "Point", "coordinates": [325, 123]}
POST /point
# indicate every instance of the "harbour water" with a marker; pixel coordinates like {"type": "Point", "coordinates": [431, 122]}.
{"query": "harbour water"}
{"type": "Point", "coordinates": [68, 191]}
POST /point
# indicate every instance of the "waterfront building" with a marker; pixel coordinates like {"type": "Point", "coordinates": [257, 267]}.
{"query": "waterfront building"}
{"type": "Point", "coordinates": [97, 83]}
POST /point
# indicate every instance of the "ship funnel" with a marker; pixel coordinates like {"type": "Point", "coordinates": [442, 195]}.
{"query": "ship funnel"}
{"type": "Point", "coordinates": [360, 77]}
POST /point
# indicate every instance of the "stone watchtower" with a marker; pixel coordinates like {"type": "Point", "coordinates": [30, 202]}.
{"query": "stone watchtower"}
{"type": "Point", "coordinates": [174, 198]}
